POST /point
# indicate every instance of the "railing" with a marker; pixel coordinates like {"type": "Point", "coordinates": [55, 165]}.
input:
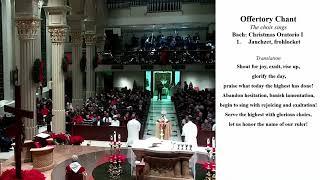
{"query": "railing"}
{"type": "Point", "coordinates": [139, 2]}
{"type": "Point", "coordinates": [199, 1]}
{"type": "Point", "coordinates": [163, 6]}
{"type": "Point", "coordinates": [161, 57]}
{"type": "Point", "coordinates": [154, 5]}
{"type": "Point", "coordinates": [114, 4]}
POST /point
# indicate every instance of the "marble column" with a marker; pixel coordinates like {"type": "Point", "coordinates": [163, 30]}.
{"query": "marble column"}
{"type": "Point", "coordinates": [90, 73]}
{"type": "Point", "coordinates": [38, 38]}
{"type": "Point", "coordinates": [100, 82]}
{"type": "Point", "coordinates": [8, 34]}
{"type": "Point", "coordinates": [27, 31]}
{"type": "Point", "coordinates": [57, 14]}
{"type": "Point", "coordinates": [77, 88]}
{"type": "Point", "coordinates": [58, 107]}
{"type": "Point", "coordinates": [100, 75]}
{"type": "Point", "coordinates": [49, 55]}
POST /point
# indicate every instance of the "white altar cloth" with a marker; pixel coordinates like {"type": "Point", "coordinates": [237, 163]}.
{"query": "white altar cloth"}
{"type": "Point", "coordinates": [155, 144]}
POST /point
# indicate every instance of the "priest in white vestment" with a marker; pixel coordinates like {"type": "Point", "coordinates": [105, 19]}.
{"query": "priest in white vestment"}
{"type": "Point", "coordinates": [133, 128]}
{"type": "Point", "coordinates": [190, 132]}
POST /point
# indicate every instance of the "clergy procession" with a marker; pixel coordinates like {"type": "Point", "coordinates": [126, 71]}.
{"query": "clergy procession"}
{"type": "Point", "coordinates": [104, 89]}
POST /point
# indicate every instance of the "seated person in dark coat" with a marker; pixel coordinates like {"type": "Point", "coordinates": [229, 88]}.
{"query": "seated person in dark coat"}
{"type": "Point", "coordinates": [5, 141]}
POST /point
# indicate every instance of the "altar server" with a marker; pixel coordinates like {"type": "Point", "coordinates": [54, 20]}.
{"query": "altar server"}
{"type": "Point", "coordinates": [190, 132]}
{"type": "Point", "coordinates": [133, 127]}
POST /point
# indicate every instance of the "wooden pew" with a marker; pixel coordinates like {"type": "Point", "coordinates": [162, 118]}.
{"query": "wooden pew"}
{"type": "Point", "coordinates": [100, 133]}
{"type": "Point", "coordinates": [203, 135]}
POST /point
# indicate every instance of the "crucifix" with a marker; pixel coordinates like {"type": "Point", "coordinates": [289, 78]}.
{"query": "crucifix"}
{"type": "Point", "coordinates": [19, 114]}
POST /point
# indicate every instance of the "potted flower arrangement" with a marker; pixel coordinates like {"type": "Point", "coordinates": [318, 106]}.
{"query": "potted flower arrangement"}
{"type": "Point", "coordinates": [118, 158]}
{"type": "Point", "coordinates": [60, 138]}
{"type": "Point", "coordinates": [209, 166]}
{"type": "Point", "coordinates": [115, 163]}
{"type": "Point", "coordinates": [76, 140]}
{"type": "Point", "coordinates": [33, 174]}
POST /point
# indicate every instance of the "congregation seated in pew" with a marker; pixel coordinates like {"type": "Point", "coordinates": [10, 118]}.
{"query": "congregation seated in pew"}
{"type": "Point", "coordinates": [113, 108]}
{"type": "Point", "coordinates": [198, 104]}
{"type": "Point", "coordinates": [195, 108]}
{"type": "Point", "coordinates": [7, 132]}
{"type": "Point", "coordinates": [5, 141]}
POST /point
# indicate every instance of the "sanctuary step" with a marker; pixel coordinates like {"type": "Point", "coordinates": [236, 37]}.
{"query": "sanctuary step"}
{"type": "Point", "coordinates": [150, 177]}
{"type": "Point", "coordinates": [156, 106]}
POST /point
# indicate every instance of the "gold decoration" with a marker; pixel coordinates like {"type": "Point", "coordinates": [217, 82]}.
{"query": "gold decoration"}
{"type": "Point", "coordinates": [76, 38]}
{"type": "Point", "coordinates": [90, 39]}
{"type": "Point", "coordinates": [57, 34]}
{"type": "Point", "coordinates": [27, 27]}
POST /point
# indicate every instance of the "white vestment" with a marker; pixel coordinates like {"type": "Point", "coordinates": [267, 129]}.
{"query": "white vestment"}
{"type": "Point", "coordinates": [190, 132]}
{"type": "Point", "coordinates": [214, 127]}
{"type": "Point", "coordinates": [133, 128]}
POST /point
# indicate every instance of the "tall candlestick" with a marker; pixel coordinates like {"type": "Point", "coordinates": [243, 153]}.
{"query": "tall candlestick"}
{"type": "Point", "coordinates": [114, 136]}
{"type": "Point", "coordinates": [208, 142]}
{"type": "Point", "coordinates": [119, 137]}
{"type": "Point", "coordinates": [213, 142]}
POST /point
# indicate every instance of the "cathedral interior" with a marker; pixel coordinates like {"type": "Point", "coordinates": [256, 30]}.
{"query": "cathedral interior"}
{"type": "Point", "coordinates": [116, 89]}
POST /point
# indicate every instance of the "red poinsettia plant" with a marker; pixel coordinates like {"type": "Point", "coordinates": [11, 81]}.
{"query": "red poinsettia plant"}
{"type": "Point", "coordinates": [117, 158]}
{"type": "Point", "coordinates": [60, 138]}
{"type": "Point", "coordinates": [10, 174]}
{"type": "Point", "coordinates": [76, 140]}
{"type": "Point", "coordinates": [209, 166]}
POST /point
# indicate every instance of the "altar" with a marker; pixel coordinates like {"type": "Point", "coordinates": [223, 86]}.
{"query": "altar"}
{"type": "Point", "coordinates": [164, 159]}
{"type": "Point", "coordinates": [160, 162]}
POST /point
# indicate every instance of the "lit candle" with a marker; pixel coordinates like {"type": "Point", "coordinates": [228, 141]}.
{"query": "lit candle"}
{"type": "Point", "coordinates": [213, 142]}
{"type": "Point", "coordinates": [208, 142]}
{"type": "Point", "coordinates": [114, 136]}
{"type": "Point", "coordinates": [119, 137]}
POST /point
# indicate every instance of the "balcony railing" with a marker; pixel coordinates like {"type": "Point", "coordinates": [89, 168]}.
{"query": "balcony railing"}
{"type": "Point", "coordinates": [115, 4]}
{"type": "Point", "coordinates": [153, 5]}
{"type": "Point", "coordinates": [161, 57]}
{"type": "Point", "coordinates": [199, 1]}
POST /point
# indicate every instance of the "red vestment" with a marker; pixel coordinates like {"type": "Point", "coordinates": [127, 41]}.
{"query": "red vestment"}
{"type": "Point", "coordinates": [45, 111]}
